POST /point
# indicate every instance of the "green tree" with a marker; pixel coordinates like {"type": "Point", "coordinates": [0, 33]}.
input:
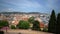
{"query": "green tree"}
{"type": "Point", "coordinates": [23, 24]}
{"type": "Point", "coordinates": [58, 24]}
{"type": "Point", "coordinates": [36, 26]}
{"type": "Point", "coordinates": [3, 23]}
{"type": "Point", "coordinates": [52, 23]}
{"type": "Point", "coordinates": [13, 27]}
{"type": "Point", "coordinates": [45, 29]}
{"type": "Point", "coordinates": [31, 19]}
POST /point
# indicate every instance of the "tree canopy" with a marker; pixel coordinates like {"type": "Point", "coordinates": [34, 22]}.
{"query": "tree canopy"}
{"type": "Point", "coordinates": [23, 24]}
{"type": "Point", "coordinates": [31, 19]}
{"type": "Point", "coordinates": [3, 23]}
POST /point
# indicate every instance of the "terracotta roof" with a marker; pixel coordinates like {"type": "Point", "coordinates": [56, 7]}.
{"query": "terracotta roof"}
{"type": "Point", "coordinates": [41, 24]}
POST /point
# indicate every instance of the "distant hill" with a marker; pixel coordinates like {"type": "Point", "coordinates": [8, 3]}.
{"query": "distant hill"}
{"type": "Point", "coordinates": [22, 13]}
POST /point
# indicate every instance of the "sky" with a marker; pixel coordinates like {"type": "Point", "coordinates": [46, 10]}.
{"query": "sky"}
{"type": "Point", "coordinates": [42, 6]}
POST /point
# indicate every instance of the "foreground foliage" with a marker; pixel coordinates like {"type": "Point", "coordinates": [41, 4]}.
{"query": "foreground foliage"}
{"type": "Point", "coordinates": [58, 24]}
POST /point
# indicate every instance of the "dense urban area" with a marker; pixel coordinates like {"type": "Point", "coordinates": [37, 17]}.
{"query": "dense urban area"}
{"type": "Point", "coordinates": [29, 23]}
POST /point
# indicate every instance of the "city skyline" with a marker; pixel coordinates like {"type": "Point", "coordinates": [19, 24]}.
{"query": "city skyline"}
{"type": "Point", "coordinates": [42, 6]}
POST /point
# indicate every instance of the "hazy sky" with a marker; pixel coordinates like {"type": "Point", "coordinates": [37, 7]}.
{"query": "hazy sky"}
{"type": "Point", "coordinates": [43, 6]}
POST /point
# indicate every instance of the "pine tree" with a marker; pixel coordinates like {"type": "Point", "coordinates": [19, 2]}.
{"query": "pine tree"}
{"type": "Point", "coordinates": [58, 24]}
{"type": "Point", "coordinates": [52, 23]}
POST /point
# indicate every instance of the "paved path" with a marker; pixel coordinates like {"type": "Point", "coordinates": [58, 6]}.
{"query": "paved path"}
{"type": "Point", "coordinates": [25, 32]}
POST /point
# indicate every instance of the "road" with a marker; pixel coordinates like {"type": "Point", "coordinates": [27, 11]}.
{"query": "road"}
{"type": "Point", "coordinates": [17, 31]}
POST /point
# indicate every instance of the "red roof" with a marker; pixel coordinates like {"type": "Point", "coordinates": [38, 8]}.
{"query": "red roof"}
{"type": "Point", "coordinates": [41, 25]}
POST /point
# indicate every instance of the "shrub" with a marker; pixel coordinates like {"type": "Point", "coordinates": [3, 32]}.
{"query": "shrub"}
{"type": "Point", "coordinates": [13, 27]}
{"type": "Point", "coordinates": [45, 29]}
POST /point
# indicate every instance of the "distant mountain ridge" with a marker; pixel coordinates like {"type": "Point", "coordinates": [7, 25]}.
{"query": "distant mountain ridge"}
{"type": "Point", "coordinates": [21, 13]}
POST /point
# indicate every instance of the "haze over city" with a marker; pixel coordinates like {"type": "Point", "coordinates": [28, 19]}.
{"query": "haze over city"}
{"type": "Point", "coordinates": [42, 6]}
